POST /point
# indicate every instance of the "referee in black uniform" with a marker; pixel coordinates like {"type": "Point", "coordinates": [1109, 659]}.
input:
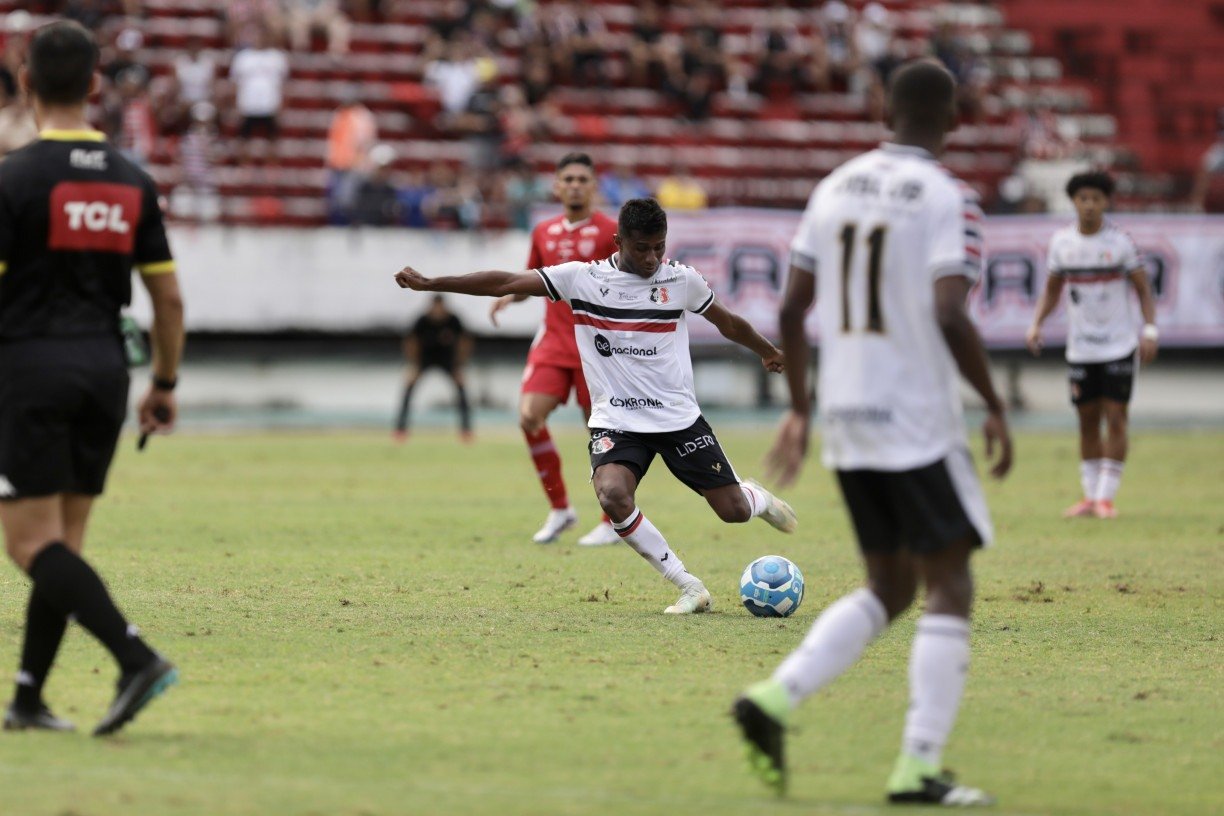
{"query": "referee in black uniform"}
{"type": "Point", "coordinates": [74, 218]}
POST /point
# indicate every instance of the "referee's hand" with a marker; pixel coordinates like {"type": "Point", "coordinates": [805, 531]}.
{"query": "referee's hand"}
{"type": "Point", "coordinates": [158, 411]}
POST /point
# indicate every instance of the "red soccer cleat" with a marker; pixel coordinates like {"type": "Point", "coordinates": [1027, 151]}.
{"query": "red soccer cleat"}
{"type": "Point", "coordinates": [1084, 508]}
{"type": "Point", "coordinates": [1104, 509]}
{"type": "Point", "coordinates": [399, 437]}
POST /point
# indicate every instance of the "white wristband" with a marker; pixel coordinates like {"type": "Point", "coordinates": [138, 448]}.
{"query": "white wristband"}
{"type": "Point", "coordinates": [1150, 332]}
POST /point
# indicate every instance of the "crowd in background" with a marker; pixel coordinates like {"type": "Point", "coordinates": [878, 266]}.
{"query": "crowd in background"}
{"type": "Point", "coordinates": [819, 46]}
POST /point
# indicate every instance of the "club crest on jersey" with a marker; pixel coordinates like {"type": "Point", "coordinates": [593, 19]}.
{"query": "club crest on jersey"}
{"type": "Point", "coordinates": [602, 445]}
{"type": "Point", "coordinates": [658, 294]}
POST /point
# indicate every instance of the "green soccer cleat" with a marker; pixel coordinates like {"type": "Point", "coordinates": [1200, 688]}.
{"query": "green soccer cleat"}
{"type": "Point", "coordinates": [917, 782]}
{"type": "Point", "coordinates": [761, 714]}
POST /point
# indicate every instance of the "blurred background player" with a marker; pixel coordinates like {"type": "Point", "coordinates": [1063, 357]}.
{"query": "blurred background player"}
{"type": "Point", "coordinates": [895, 240]}
{"type": "Point", "coordinates": [1098, 263]}
{"type": "Point", "coordinates": [74, 217]}
{"type": "Point", "coordinates": [554, 368]}
{"type": "Point", "coordinates": [642, 381]}
{"type": "Point", "coordinates": [436, 340]}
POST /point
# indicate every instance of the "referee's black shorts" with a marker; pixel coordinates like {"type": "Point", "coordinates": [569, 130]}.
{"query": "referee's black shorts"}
{"type": "Point", "coordinates": [62, 405]}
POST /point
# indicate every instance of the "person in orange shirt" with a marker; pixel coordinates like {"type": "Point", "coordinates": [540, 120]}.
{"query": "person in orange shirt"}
{"type": "Point", "coordinates": [352, 133]}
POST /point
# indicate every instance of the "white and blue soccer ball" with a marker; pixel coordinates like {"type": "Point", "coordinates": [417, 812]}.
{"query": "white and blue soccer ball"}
{"type": "Point", "coordinates": [771, 587]}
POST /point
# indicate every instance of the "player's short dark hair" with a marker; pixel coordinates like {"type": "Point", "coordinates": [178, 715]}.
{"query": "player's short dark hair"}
{"type": "Point", "coordinates": [641, 216]}
{"type": "Point", "coordinates": [62, 60]}
{"type": "Point", "coordinates": [921, 92]}
{"type": "Point", "coordinates": [1094, 179]}
{"type": "Point", "coordinates": [575, 157]}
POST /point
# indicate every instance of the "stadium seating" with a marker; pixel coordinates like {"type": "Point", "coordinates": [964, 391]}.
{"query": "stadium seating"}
{"type": "Point", "coordinates": [750, 152]}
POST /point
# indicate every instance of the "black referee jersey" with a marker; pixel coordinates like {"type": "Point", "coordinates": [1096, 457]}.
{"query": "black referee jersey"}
{"type": "Point", "coordinates": [75, 216]}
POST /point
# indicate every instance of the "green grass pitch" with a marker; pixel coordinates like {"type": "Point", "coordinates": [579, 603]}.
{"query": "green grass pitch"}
{"type": "Point", "coordinates": [364, 629]}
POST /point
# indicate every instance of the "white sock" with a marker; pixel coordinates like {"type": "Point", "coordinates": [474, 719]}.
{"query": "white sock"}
{"type": "Point", "coordinates": [1090, 475]}
{"type": "Point", "coordinates": [939, 663]}
{"type": "Point", "coordinates": [758, 500]}
{"type": "Point", "coordinates": [1111, 477]}
{"type": "Point", "coordinates": [648, 542]}
{"type": "Point", "coordinates": [834, 644]}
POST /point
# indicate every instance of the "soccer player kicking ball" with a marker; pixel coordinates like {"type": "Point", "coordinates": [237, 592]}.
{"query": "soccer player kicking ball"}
{"type": "Point", "coordinates": [895, 242]}
{"type": "Point", "coordinates": [629, 321]}
{"type": "Point", "coordinates": [553, 364]}
{"type": "Point", "coordinates": [1098, 264]}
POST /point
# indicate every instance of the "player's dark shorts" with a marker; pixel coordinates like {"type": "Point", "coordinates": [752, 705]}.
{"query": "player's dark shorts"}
{"type": "Point", "coordinates": [62, 404]}
{"type": "Point", "coordinates": [446, 362]}
{"type": "Point", "coordinates": [1113, 380]}
{"type": "Point", "coordinates": [922, 510]}
{"type": "Point", "coordinates": [693, 455]}
{"type": "Point", "coordinates": [265, 126]}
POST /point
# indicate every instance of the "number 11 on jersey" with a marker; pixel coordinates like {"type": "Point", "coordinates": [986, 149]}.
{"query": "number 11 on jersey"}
{"type": "Point", "coordinates": [875, 243]}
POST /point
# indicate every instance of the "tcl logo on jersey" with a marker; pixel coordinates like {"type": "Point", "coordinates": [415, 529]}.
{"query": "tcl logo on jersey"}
{"type": "Point", "coordinates": [87, 215]}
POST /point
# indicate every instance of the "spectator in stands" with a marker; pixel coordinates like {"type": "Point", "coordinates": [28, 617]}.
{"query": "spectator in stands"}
{"type": "Point", "coordinates": [646, 49]}
{"type": "Point", "coordinates": [351, 135]}
{"type": "Point", "coordinates": [524, 189]}
{"type": "Point", "coordinates": [453, 201]}
{"type": "Point", "coordinates": [777, 48]}
{"type": "Point", "coordinates": [137, 127]}
{"type": "Point", "coordinates": [377, 201]}
{"type": "Point", "coordinates": [252, 22]}
{"type": "Point", "coordinates": [521, 125]}
{"type": "Point", "coordinates": [873, 38]}
{"type": "Point", "coordinates": [305, 16]}
{"type": "Point", "coordinates": [196, 197]}
{"type": "Point", "coordinates": [412, 196]}
{"type": "Point", "coordinates": [259, 75]}
{"type": "Point", "coordinates": [841, 47]}
{"type": "Point", "coordinates": [621, 184]}
{"type": "Point", "coordinates": [536, 75]}
{"type": "Point", "coordinates": [1208, 192]}
{"type": "Point", "coordinates": [579, 41]}
{"type": "Point", "coordinates": [195, 71]}
{"type": "Point", "coordinates": [681, 191]}
{"type": "Point", "coordinates": [123, 56]}
{"type": "Point", "coordinates": [17, 127]}
{"type": "Point", "coordinates": [455, 74]}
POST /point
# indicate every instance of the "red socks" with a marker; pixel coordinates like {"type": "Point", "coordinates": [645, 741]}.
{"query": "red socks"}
{"type": "Point", "coordinates": [548, 467]}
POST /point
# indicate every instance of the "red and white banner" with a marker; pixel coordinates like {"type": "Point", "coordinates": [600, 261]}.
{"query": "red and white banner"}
{"type": "Point", "coordinates": [744, 255]}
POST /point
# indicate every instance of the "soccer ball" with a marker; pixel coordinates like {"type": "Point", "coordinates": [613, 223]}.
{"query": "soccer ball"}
{"type": "Point", "coordinates": [771, 587]}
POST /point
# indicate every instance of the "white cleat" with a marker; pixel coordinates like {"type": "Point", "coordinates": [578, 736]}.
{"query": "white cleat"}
{"type": "Point", "coordinates": [558, 522]}
{"type": "Point", "coordinates": [694, 599]}
{"type": "Point", "coordinates": [601, 535]}
{"type": "Point", "coordinates": [780, 515]}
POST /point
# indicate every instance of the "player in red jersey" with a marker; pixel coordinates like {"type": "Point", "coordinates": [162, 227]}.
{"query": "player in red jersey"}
{"type": "Point", "coordinates": [553, 366]}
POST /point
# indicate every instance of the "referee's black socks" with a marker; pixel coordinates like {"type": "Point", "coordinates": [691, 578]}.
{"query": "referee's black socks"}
{"type": "Point", "coordinates": [44, 630]}
{"type": "Point", "coordinates": [71, 587]}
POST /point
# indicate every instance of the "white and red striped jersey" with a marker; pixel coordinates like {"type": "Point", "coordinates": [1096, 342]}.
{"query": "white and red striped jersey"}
{"type": "Point", "coordinates": [1101, 322]}
{"type": "Point", "coordinates": [633, 340]}
{"type": "Point", "coordinates": [877, 233]}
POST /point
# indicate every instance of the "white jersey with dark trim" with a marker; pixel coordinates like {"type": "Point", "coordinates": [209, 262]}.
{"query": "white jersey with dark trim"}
{"type": "Point", "coordinates": [877, 233]}
{"type": "Point", "coordinates": [633, 340]}
{"type": "Point", "coordinates": [1101, 323]}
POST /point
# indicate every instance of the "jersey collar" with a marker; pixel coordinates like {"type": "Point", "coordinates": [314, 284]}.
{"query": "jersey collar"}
{"type": "Point", "coordinates": [72, 135]}
{"type": "Point", "coordinates": [908, 150]}
{"type": "Point", "coordinates": [570, 226]}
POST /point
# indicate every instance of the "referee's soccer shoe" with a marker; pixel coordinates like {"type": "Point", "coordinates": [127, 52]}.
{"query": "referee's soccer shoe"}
{"type": "Point", "coordinates": [135, 692]}
{"type": "Point", "coordinates": [41, 719]}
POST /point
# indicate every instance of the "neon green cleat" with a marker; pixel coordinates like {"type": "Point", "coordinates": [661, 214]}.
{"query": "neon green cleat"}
{"type": "Point", "coordinates": [917, 782]}
{"type": "Point", "coordinates": [761, 713]}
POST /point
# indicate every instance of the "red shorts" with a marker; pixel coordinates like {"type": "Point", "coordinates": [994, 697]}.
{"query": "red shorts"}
{"type": "Point", "coordinates": [556, 381]}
